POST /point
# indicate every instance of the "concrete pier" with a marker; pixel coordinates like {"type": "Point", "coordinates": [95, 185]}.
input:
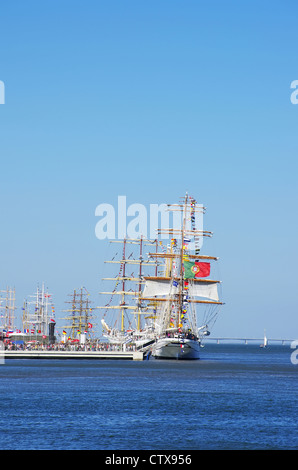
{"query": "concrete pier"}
{"type": "Point", "coordinates": [42, 354]}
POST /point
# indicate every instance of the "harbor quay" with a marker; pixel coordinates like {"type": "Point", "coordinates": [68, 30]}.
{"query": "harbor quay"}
{"type": "Point", "coordinates": [71, 351]}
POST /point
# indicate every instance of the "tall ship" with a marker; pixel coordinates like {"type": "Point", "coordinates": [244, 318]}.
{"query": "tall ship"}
{"type": "Point", "coordinates": [7, 311]}
{"type": "Point", "coordinates": [39, 316]}
{"type": "Point", "coordinates": [163, 298]}
{"type": "Point", "coordinates": [186, 298]}
{"type": "Point", "coordinates": [80, 324]}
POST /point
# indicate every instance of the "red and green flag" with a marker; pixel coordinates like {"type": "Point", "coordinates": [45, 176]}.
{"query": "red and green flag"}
{"type": "Point", "coordinates": [196, 269]}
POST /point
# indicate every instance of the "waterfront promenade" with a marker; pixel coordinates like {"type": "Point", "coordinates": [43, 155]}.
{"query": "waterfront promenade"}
{"type": "Point", "coordinates": [70, 351]}
{"type": "Point", "coordinates": [75, 354]}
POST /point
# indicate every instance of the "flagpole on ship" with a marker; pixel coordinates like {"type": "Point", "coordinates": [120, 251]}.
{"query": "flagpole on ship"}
{"type": "Point", "coordinates": [181, 267]}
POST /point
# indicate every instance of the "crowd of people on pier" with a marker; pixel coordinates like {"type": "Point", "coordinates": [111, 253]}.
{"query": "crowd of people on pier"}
{"type": "Point", "coordinates": [88, 346]}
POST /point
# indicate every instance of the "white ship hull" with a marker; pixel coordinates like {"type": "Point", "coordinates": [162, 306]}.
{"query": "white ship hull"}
{"type": "Point", "coordinates": [176, 348]}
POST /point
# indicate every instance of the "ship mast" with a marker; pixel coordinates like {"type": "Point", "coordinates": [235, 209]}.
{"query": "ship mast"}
{"type": "Point", "coordinates": [140, 286]}
{"type": "Point", "coordinates": [80, 313]}
{"type": "Point", "coordinates": [7, 308]}
{"type": "Point", "coordinates": [123, 287]}
{"type": "Point", "coordinates": [37, 322]}
{"type": "Point", "coordinates": [134, 305]}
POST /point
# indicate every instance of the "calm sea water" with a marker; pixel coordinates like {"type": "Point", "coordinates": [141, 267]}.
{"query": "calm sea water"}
{"type": "Point", "coordinates": [235, 397]}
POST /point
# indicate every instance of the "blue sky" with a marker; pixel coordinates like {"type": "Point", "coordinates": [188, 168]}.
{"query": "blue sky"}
{"type": "Point", "coordinates": [149, 100]}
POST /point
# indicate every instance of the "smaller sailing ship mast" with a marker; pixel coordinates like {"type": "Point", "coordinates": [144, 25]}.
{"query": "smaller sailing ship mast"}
{"type": "Point", "coordinates": [80, 319]}
{"type": "Point", "coordinates": [126, 298]}
{"type": "Point", "coordinates": [7, 309]}
{"type": "Point", "coordinates": [38, 313]}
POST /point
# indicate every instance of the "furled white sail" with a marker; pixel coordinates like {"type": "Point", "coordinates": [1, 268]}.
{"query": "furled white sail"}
{"type": "Point", "coordinates": [153, 288]}
{"type": "Point", "coordinates": [204, 289]}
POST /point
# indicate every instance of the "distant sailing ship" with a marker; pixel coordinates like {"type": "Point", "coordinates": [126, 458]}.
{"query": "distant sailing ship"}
{"type": "Point", "coordinates": [160, 310]}
{"type": "Point", "coordinates": [39, 316]}
{"type": "Point", "coordinates": [265, 343]}
{"type": "Point", "coordinates": [7, 311]}
{"type": "Point", "coordinates": [80, 323]}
